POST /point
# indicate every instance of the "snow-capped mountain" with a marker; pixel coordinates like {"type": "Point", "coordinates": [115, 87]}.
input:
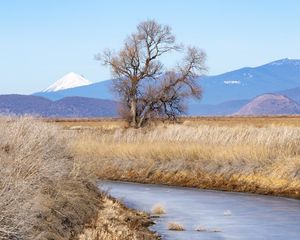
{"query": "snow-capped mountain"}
{"type": "Point", "coordinates": [70, 80]}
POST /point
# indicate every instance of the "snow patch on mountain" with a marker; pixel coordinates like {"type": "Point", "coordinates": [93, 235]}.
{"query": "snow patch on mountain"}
{"type": "Point", "coordinates": [232, 82]}
{"type": "Point", "coordinates": [295, 62]}
{"type": "Point", "coordinates": [70, 80]}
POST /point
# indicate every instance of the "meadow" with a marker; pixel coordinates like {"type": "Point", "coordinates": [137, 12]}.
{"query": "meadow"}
{"type": "Point", "coordinates": [259, 155]}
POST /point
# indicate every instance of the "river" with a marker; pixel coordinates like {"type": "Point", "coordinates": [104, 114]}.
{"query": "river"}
{"type": "Point", "coordinates": [222, 215]}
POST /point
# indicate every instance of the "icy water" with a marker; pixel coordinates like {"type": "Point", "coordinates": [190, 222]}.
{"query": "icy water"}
{"type": "Point", "coordinates": [233, 215]}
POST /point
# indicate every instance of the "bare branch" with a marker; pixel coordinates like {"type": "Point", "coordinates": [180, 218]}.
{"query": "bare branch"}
{"type": "Point", "coordinates": [144, 90]}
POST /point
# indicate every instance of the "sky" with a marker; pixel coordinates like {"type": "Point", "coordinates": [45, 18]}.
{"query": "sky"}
{"type": "Point", "coordinates": [40, 41]}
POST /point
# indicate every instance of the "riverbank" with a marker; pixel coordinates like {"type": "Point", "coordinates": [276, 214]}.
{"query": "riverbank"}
{"type": "Point", "coordinates": [262, 159]}
{"type": "Point", "coordinates": [116, 221]}
{"type": "Point", "coordinates": [46, 192]}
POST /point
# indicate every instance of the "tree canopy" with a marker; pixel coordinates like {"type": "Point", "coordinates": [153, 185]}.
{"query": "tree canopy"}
{"type": "Point", "coordinates": [145, 87]}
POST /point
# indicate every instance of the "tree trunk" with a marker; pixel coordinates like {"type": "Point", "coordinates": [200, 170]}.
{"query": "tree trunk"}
{"type": "Point", "coordinates": [133, 113]}
{"type": "Point", "coordinates": [143, 116]}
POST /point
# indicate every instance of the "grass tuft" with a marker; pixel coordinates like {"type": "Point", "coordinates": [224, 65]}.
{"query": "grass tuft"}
{"type": "Point", "coordinates": [158, 209]}
{"type": "Point", "coordinates": [174, 226]}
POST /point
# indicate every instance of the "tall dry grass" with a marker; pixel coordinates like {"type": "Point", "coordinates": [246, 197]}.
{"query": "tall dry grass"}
{"type": "Point", "coordinates": [240, 157]}
{"type": "Point", "coordinates": [47, 174]}
{"type": "Point", "coordinates": [42, 196]}
{"type": "Point", "coordinates": [48, 193]}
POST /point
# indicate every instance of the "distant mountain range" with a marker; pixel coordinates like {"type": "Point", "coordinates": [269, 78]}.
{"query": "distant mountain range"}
{"type": "Point", "coordinates": [223, 94]}
{"type": "Point", "coordinates": [244, 83]}
{"type": "Point", "coordinates": [247, 83]}
{"type": "Point", "coordinates": [66, 107]}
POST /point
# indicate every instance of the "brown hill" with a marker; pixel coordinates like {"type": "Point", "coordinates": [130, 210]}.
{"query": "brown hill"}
{"type": "Point", "coordinates": [270, 104]}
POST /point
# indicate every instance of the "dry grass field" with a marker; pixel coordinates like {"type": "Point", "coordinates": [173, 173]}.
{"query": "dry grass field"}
{"type": "Point", "coordinates": [113, 123]}
{"type": "Point", "coordinates": [260, 155]}
{"type": "Point", "coordinates": [46, 192]}
{"type": "Point", "coordinates": [48, 169]}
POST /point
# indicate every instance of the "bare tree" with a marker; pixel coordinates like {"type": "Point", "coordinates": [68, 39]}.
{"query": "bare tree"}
{"type": "Point", "coordinates": [146, 89]}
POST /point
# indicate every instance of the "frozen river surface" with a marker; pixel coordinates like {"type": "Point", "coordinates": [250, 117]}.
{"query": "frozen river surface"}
{"type": "Point", "coordinates": [233, 215]}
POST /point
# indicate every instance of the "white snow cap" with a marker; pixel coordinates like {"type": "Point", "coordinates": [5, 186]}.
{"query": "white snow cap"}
{"type": "Point", "coordinates": [70, 80]}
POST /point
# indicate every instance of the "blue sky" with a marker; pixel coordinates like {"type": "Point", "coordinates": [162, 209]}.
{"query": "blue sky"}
{"type": "Point", "coordinates": [41, 40]}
